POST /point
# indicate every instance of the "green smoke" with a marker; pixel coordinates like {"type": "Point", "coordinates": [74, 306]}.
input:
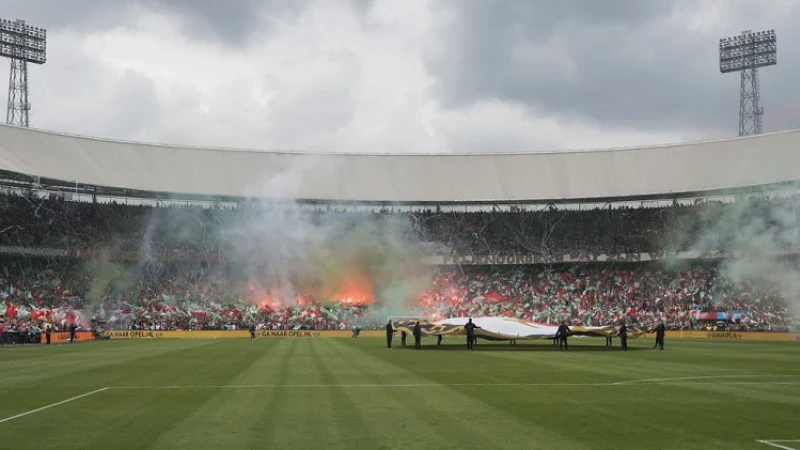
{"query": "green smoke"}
{"type": "Point", "coordinates": [105, 277]}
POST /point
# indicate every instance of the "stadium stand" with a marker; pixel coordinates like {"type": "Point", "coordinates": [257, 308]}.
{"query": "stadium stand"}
{"type": "Point", "coordinates": [136, 169]}
{"type": "Point", "coordinates": [57, 223]}
{"type": "Point", "coordinates": [190, 292]}
{"type": "Point", "coordinates": [177, 264]}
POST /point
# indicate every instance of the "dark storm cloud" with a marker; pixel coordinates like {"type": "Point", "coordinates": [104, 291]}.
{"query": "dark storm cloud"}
{"type": "Point", "coordinates": [56, 15]}
{"type": "Point", "coordinates": [618, 63]}
{"type": "Point", "coordinates": [231, 22]}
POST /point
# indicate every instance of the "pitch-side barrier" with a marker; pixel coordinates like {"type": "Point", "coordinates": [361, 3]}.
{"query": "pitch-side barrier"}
{"type": "Point", "coordinates": [239, 334]}
{"type": "Point", "coordinates": [731, 336]}
{"type": "Point", "coordinates": [311, 334]}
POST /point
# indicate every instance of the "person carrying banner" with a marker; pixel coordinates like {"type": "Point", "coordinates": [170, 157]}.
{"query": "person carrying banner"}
{"type": "Point", "coordinates": [561, 334]}
{"type": "Point", "coordinates": [661, 330]}
{"type": "Point", "coordinates": [389, 334]}
{"type": "Point", "coordinates": [417, 336]}
{"type": "Point", "coordinates": [470, 327]}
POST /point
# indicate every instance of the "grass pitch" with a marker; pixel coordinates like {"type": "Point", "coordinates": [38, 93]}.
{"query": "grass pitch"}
{"type": "Point", "coordinates": [355, 393]}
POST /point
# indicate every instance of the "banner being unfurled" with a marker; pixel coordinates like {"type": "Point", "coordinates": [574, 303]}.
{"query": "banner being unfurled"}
{"type": "Point", "coordinates": [506, 328]}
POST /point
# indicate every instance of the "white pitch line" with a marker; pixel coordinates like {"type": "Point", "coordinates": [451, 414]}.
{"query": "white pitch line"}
{"type": "Point", "coordinates": [700, 377]}
{"type": "Point", "coordinates": [772, 443]}
{"type": "Point", "coordinates": [430, 385]}
{"type": "Point", "coordinates": [8, 419]}
{"type": "Point", "coordinates": [300, 386]}
{"type": "Point", "coordinates": [731, 383]}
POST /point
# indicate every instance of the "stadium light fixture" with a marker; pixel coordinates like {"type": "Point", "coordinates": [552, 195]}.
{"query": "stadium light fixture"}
{"type": "Point", "coordinates": [22, 44]}
{"type": "Point", "coordinates": [745, 54]}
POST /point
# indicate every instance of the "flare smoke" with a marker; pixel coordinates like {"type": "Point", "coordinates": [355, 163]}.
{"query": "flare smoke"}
{"type": "Point", "coordinates": [763, 235]}
{"type": "Point", "coordinates": [284, 250]}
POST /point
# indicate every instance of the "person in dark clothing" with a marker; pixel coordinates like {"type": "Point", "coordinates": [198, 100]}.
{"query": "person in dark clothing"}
{"type": "Point", "coordinates": [47, 333]}
{"type": "Point", "coordinates": [561, 334]}
{"type": "Point", "coordinates": [470, 327]}
{"type": "Point", "coordinates": [623, 337]}
{"type": "Point", "coordinates": [389, 334]}
{"type": "Point", "coordinates": [661, 330]}
{"type": "Point", "coordinates": [417, 336]}
{"type": "Point", "coordinates": [403, 335]}
{"type": "Point", "coordinates": [439, 340]}
{"type": "Point", "coordinates": [72, 330]}
{"type": "Point", "coordinates": [252, 331]}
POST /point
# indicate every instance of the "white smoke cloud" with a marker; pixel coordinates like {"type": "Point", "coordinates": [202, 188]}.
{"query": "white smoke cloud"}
{"type": "Point", "coordinates": [763, 233]}
{"type": "Point", "coordinates": [284, 249]}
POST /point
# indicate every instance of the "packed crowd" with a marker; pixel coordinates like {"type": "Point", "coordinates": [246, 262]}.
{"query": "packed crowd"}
{"type": "Point", "coordinates": [58, 223]}
{"type": "Point", "coordinates": [183, 297]}
{"type": "Point", "coordinates": [602, 295]}
{"type": "Point", "coordinates": [174, 281]}
{"type": "Point", "coordinates": [31, 297]}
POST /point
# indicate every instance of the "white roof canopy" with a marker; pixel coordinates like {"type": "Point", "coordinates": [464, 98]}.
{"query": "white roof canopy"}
{"type": "Point", "coordinates": [699, 167]}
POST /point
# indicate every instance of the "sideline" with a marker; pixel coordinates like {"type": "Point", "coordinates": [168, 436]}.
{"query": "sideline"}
{"type": "Point", "coordinates": [8, 419]}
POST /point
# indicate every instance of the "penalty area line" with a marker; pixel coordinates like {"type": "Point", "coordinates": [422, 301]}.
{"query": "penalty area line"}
{"type": "Point", "coordinates": [53, 405]}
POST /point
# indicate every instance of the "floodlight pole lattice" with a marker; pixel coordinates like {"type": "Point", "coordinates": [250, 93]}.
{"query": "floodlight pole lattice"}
{"type": "Point", "coordinates": [18, 107]}
{"type": "Point", "coordinates": [745, 53]}
{"type": "Point", "coordinates": [21, 44]}
{"type": "Point", "coordinates": [750, 113]}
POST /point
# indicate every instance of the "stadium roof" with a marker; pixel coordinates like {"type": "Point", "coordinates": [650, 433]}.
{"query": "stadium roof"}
{"type": "Point", "coordinates": [138, 169]}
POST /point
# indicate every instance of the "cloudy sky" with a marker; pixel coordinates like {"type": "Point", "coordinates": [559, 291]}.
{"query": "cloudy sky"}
{"type": "Point", "coordinates": [403, 75]}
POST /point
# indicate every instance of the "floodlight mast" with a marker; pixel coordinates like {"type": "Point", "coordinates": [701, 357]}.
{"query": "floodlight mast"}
{"type": "Point", "coordinates": [22, 44]}
{"type": "Point", "coordinates": [745, 53]}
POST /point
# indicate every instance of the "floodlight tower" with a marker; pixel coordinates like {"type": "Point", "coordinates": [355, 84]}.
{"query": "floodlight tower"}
{"type": "Point", "coordinates": [22, 44]}
{"type": "Point", "coordinates": [745, 53]}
